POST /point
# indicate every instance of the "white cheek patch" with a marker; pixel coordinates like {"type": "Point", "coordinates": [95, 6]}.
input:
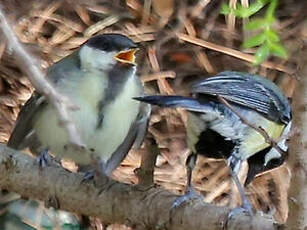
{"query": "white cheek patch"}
{"type": "Point", "coordinates": [274, 153]}
{"type": "Point", "coordinates": [95, 58]}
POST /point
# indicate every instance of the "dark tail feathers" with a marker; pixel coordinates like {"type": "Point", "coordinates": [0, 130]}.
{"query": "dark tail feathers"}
{"type": "Point", "coordinates": [175, 101]}
{"type": "Point", "coordinates": [165, 101]}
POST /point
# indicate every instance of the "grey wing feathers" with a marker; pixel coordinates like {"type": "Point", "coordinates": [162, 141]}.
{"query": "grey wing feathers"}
{"type": "Point", "coordinates": [22, 133]}
{"type": "Point", "coordinates": [135, 136]}
{"type": "Point", "coordinates": [248, 90]}
{"type": "Point", "coordinates": [20, 137]}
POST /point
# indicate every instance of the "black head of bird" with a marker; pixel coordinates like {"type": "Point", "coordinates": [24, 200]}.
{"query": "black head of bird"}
{"type": "Point", "coordinates": [100, 79]}
{"type": "Point", "coordinates": [216, 131]}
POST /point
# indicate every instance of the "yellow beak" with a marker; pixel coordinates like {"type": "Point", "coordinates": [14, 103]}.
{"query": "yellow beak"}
{"type": "Point", "coordinates": [126, 56]}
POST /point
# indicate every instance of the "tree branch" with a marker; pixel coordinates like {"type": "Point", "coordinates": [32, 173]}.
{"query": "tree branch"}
{"type": "Point", "coordinates": [297, 158]}
{"type": "Point", "coordinates": [118, 202]}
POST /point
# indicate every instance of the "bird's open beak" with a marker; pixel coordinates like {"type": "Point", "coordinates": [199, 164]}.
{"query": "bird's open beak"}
{"type": "Point", "coordinates": [126, 56]}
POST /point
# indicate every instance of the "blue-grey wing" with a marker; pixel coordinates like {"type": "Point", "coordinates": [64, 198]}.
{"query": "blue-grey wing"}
{"type": "Point", "coordinates": [248, 90]}
{"type": "Point", "coordinates": [23, 133]}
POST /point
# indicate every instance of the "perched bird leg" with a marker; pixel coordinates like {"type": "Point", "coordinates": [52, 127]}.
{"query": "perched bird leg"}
{"type": "Point", "coordinates": [245, 202]}
{"type": "Point", "coordinates": [246, 205]}
{"type": "Point", "coordinates": [190, 193]}
{"type": "Point", "coordinates": [190, 165]}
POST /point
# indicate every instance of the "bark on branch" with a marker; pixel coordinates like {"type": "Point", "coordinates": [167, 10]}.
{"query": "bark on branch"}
{"type": "Point", "coordinates": [118, 202]}
{"type": "Point", "coordinates": [297, 219]}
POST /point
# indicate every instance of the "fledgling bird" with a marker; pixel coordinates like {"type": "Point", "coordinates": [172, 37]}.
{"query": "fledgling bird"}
{"type": "Point", "coordinates": [100, 79]}
{"type": "Point", "coordinates": [215, 131]}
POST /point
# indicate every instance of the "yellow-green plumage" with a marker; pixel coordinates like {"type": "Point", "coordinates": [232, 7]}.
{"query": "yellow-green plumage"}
{"type": "Point", "coordinates": [86, 94]}
{"type": "Point", "coordinates": [255, 141]}
{"type": "Point", "coordinates": [194, 128]}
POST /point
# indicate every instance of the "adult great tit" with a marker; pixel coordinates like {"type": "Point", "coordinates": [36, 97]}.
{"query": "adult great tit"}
{"type": "Point", "coordinates": [100, 79]}
{"type": "Point", "coordinates": [216, 131]}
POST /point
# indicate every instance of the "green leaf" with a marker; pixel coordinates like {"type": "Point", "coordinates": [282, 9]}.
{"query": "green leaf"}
{"type": "Point", "coordinates": [270, 20]}
{"type": "Point", "coordinates": [254, 41]}
{"type": "Point", "coordinates": [268, 39]}
{"type": "Point", "coordinates": [272, 36]}
{"type": "Point", "coordinates": [270, 12]}
{"type": "Point", "coordinates": [262, 54]}
{"type": "Point", "coordinates": [264, 1]}
{"type": "Point", "coordinates": [278, 50]}
{"type": "Point", "coordinates": [225, 9]}
{"type": "Point", "coordinates": [243, 12]}
{"type": "Point", "coordinates": [255, 24]}
{"type": "Point", "coordinates": [254, 8]}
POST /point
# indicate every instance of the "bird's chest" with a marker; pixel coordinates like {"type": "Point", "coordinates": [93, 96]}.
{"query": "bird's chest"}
{"type": "Point", "coordinates": [211, 138]}
{"type": "Point", "coordinates": [87, 95]}
{"type": "Point", "coordinates": [84, 95]}
{"type": "Point", "coordinates": [215, 134]}
{"type": "Point", "coordinates": [248, 141]}
{"type": "Point", "coordinates": [219, 138]}
{"type": "Point", "coordinates": [213, 128]}
{"type": "Point", "coordinates": [118, 117]}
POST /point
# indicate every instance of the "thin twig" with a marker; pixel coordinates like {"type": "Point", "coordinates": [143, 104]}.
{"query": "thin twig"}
{"type": "Point", "coordinates": [158, 75]}
{"type": "Point", "coordinates": [199, 7]}
{"type": "Point", "coordinates": [233, 52]}
{"type": "Point", "coordinates": [145, 173]}
{"type": "Point", "coordinates": [29, 64]}
{"type": "Point", "coordinates": [175, 23]}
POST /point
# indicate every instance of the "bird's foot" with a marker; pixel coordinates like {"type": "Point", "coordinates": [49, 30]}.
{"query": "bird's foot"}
{"type": "Point", "coordinates": [241, 209]}
{"type": "Point", "coordinates": [189, 195]}
{"type": "Point", "coordinates": [89, 175]}
{"type": "Point", "coordinates": [246, 208]}
{"type": "Point", "coordinates": [100, 180]}
{"type": "Point", "coordinates": [43, 158]}
{"type": "Point", "coordinates": [96, 174]}
{"type": "Point", "coordinates": [90, 171]}
{"type": "Point", "coordinates": [246, 205]}
{"type": "Point", "coordinates": [144, 187]}
{"type": "Point", "coordinates": [46, 159]}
